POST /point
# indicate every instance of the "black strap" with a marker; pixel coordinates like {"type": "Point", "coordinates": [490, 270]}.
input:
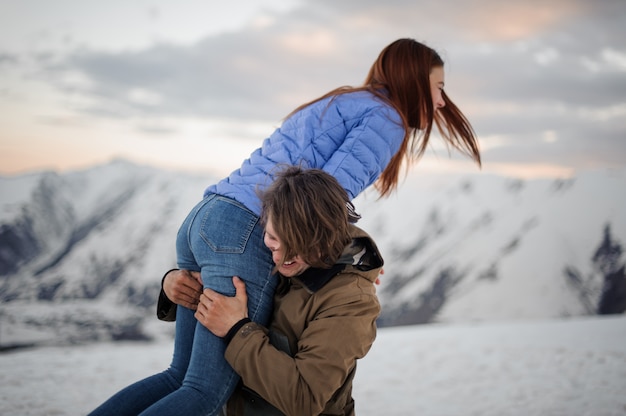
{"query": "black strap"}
{"type": "Point", "coordinates": [233, 330]}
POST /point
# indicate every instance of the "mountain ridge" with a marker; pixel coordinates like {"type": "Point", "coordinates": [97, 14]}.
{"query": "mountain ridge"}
{"type": "Point", "coordinates": [82, 253]}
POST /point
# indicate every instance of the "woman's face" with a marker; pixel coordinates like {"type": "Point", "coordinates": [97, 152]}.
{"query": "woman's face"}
{"type": "Point", "coordinates": [289, 268]}
{"type": "Point", "coordinates": [436, 87]}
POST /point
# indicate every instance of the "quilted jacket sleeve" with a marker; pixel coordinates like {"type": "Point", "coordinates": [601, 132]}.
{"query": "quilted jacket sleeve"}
{"type": "Point", "coordinates": [366, 149]}
{"type": "Point", "coordinates": [352, 136]}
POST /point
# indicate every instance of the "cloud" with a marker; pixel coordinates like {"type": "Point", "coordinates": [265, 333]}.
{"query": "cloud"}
{"type": "Point", "coordinates": [8, 59]}
{"type": "Point", "coordinates": [232, 75]}
{"type": "Point", "coordinates": [521, 69]}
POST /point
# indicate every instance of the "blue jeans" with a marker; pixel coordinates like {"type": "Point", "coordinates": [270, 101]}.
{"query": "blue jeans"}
{"type": "Point", "coordinates": [221, 239]}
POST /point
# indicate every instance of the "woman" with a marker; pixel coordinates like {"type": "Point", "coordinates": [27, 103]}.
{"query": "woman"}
{"type": "Point", "coordinates": [325, 306]}
{"type": "Point", "coordinates": [361, 136]}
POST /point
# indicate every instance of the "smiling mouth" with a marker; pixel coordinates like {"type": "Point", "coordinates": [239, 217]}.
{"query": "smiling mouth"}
{"type": "Point", "coordinates": [288, 263]}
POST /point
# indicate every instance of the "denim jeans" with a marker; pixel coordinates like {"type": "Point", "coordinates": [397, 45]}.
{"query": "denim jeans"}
{"type": "Point", "coordinates": [221, 239]}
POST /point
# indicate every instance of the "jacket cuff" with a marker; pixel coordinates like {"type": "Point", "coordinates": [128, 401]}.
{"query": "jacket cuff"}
{"type": "Point", "coordinates": [233, 330]}
{"type": "Point", "coordinates": [166, 309]}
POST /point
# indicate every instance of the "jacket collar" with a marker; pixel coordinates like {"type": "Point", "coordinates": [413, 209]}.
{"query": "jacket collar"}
{"type": "Point", "coordinates": [313, 279]}
{"type": "Point", "coordinates": [362, 255]}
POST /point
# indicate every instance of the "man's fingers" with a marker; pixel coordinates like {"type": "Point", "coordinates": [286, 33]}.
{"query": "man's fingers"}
{"type": "Point", "coordinates": [196, 277]}
{"type": "Point", "coordinates": [210, 294]}
{"type": "Point", "coordinates": [192, 282]}
{"type": "Point", "coordinates": [240, 288]}
{"type": "Point", "coordinates": [192, 306]}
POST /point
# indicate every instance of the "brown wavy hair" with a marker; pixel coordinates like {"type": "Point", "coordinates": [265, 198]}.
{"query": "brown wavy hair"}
{"type": "Point", "coordinates": [400, 76]}
{"type": "Point", "coordinates": [310, 212]}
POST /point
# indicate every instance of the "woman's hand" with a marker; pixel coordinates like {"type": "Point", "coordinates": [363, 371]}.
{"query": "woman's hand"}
{"type": "Point", "coordinates": [218, 313]}
{"type": "Point", "coordinates": [183, 287]}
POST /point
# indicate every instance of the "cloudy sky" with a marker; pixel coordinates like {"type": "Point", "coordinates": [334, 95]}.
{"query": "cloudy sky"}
{"type": "Point", "coordinates": [197, 84]}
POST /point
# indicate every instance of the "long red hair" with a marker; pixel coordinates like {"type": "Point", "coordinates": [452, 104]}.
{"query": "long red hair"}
{"type": "Point", "coordinates": [400, 76]}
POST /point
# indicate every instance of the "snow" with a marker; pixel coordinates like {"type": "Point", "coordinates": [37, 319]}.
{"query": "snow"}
{"type": "Point", "coordinates": [568, 367]}
{"type": "Point", "coordinates": [505, 242]}
{"type": "Point", "coordinates": [574, 367]}
{"type": "Point", "coordinates": [13, 191]}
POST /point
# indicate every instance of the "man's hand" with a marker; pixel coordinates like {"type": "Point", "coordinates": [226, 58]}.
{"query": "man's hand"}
{"type": "Point", "coordinates": [183, 287]}
{"type": "Point", "coordinates": [219, 313]}
{"type": "Point", "coordinates": [377, 281]}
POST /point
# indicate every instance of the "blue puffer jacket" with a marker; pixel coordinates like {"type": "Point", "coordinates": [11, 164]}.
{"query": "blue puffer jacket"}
{"type": "Point", "coordinates": [353, 139]}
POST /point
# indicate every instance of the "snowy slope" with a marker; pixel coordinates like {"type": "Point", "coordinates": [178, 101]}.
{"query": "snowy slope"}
{"type": "Point", "coordinates": [99, 274]}
{"type": "Point", "coordinates": [574, 367]}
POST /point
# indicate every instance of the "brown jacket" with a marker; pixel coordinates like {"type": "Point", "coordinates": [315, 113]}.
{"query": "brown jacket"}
{"type": "Point", "coordinates": [324, 320]}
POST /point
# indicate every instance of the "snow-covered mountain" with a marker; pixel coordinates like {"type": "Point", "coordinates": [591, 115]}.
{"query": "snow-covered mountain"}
{"type": "Point", "coordinates": [82, 253]}
{"type": "Point", "coordinates": [484, 248]}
